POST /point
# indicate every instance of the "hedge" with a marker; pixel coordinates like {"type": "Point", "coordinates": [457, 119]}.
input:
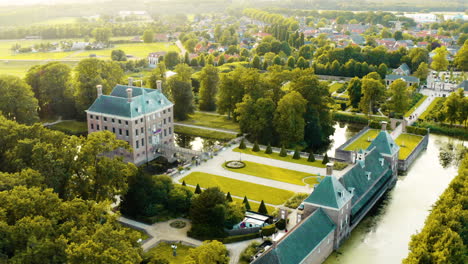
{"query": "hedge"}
{"type": "Point", "coordinates": [354, 118]}
{"type": "Point", "coordinates": [232, 239]}
{"type": "Point", "coordinates": [416, 130]}
{"type": "Point", "coordinates": [268, 230]}
{"type": "Point", "coordinates": [444, 130]}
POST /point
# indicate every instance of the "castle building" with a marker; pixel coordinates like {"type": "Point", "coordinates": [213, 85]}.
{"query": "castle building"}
{"type": "Point", "coordinates": [337, 205]}
{"type": "Point", "coordinates": [141, 116]}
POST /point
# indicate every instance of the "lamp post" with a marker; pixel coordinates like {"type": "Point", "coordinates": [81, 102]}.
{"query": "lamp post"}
{"type": "Point", "coordinates": [174, 250]}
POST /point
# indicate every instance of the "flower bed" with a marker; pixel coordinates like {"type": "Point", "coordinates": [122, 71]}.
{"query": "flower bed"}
{"type": "Point", "coordinates": [235, 164]}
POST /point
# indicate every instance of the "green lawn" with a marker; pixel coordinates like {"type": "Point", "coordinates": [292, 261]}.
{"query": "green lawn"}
{"type": "Point", "coordinates": [239, 188]}
{"type": "Point", "coordinates": [430, 107]}
{"type": "Point", "coordinates": [361, 142]}
{"type": "Point", "coordinates": [71, 127]}
{"type": "Point", "coordinates": [274, 155]}
{"type": "Point", "coordinates": [164, 250]}
{"type": "Point", "coordinates": [211, 120]}
{"type": "Point", "coordinates": [409, 112]}
{"type": "Point", "coordinates": [272, 173]}
{"type": "Point", "coordinates": [410, 142]}
{"type": "Point", "coordinates": [335, 87]}
{"type": "Point", "coordinates": [58, 21]}
{"type": "Point", "coordinates": [199, 132]}
{"type": "Point", "coordinates": [19, 68]}
{"type": "Point", "coordinates": [254, 205]}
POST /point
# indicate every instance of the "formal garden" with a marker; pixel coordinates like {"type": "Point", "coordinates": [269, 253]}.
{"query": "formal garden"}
{"type": "Point", "coordinates": [287, 158]}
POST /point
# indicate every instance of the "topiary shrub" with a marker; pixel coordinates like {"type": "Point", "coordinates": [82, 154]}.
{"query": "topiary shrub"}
{"type": "Point", "coordinates": [268, 149]}
{"type": "Point", "coordinates": [255, 147]}
{"type": "Point", "coordinates": [242, 144]}
{"type": "Point", "coordinates": [183, 183]}
{"type": "Point", "coordinates": [246, 203]}
{"type": "Point", "coordinates": [311, 157]}
{"type": "Point", "coordinates": [228, 197]}
{"type": "Point", "coordinates": [198, 189]}
{"type": "Point", "coordinates": [234, 164]}
{"type": "Point", "coordinates": [325, 159]}
{"type": "Point", "coordinates": [262, 208]}
{"type": "Point", "coordinates": [281, 224]}
{"type": "Point", "coordinates": [296, 155]}
{"type": "Point", "coordinates": [283, 152]}
{"type": "Point", "coordinates": [268, 230]}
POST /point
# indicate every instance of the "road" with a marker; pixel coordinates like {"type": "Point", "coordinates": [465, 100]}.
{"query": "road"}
{"type": "Point", "coordinates": [181, 47]}
{"type": "Point", "coordinates": [208, 128]}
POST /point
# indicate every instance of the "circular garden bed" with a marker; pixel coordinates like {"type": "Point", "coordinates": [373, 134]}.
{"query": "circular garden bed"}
{"type": "Point", "coordinates": [178, 224]}
{"type": "Point", "coordinates": [235, 164]}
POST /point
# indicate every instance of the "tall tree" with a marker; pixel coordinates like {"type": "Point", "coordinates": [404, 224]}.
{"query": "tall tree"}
{"type": "Point", "coordinates": [209, 81]}
{"type": "Point", "coordinates": [256, 62]}
{"type": "Point", "coordinates": [171, 59]}
{"type": "Point", "coordinates": [439, 61]}
{"type": "Point", "coordinates": [118, 55]}
{"type": "Point", "coordinates": [91, 72]}
{"type": "Point", "coordinates": [17, 100]}
{"type": "Point", "coordinates": [354, 91]}
{"type": "Point", "coordinates": [422, 71]}
{"type": "Point", "coordinates": [461, 59]}
{"type": "Point", "coordinates": [51, 84]}
{"type": "Point", "coordinates": [399, 97]}
{"type": "Point", "coordinates": [102, 34]}
{"type": "Point", "coordinates": [373, 92]}
{"type": "Point", "coordinates": [289, 120]}
{"type": "Point", "coordinates": [180, 91]}
{"type": "Point", "coordinates": [148, 36]}
{"type": "Point", "coordinates": [256, 117]}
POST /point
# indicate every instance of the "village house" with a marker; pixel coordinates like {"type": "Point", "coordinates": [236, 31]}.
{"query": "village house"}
{"type": "Point", "coordinates": [143, 117]}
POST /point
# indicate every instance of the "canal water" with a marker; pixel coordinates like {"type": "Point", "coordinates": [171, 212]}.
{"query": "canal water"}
{"type": "Point", "coordinates": [383, 236]}
{"type": "Point", "coordinates": [195, 143]}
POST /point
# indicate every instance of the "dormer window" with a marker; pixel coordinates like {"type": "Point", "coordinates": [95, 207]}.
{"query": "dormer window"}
{"type": "Point", "coordinates": [147, 101]}
{"type": "Point", "coordinates": [368, 174]}
{"type": "Point", "coordinates": [381, 160]}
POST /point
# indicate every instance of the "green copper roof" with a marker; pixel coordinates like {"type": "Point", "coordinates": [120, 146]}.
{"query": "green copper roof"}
{"type": "Point", "coordinates": [144, 101]}
{"type": "Point", "coordinates": [293, 248]}
{"type": "Point", "coordinates": [384, 143]}
{"type": "Point", "coordinates": [329, 192]}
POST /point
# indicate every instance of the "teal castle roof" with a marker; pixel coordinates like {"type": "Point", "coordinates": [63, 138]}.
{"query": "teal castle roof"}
{"type": "Point", "coordinates": [144, 101]}
{"type": "Point", "coordinates": [330, 192]}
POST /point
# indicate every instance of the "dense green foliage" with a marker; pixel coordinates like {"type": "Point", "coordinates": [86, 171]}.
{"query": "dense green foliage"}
{"type": "Point", "coordinates": [296, 200]}
{"type": "Point", "coordinates": [210, 252]}
{"type": "Point", "coordinates": [17, 101]}
{"type": "Point", "coordinates": [444, 238]}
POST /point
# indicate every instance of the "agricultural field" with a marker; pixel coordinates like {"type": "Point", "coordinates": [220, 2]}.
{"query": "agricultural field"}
{"type": "Point", "coordinates": [407, 143]}
{"type": "Point", "coordinates": [19, 68]}
{"type": "Point", "coordinates": [272, 173]}
{"type": "Point", "coordinates": [275, 155]}
{"type": "Point", "coordinates": [239, 188]}
{"type": "Point", "coordinates": [362, 142]}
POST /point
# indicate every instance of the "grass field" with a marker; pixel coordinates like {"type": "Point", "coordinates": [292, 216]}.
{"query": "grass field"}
{"type": "Point", "coordinates": [361, 142]}
{"type": "Point", "coordinates": [430, 107]}
{"type": "Point", "coordinates": [254, 205]}
{"type": "Point", "coordinates": [198, 132]}
{"type": "Point", "coordinates": [272, 173]}
{"type": "Point", "coordinates": [239, 188]}
{"type": "Point", "coordinates": [164, 250]}
{"type": "Point", "coordinates": [274, 155]}
{"type": "Point", "coordinates": [409, 112]}
{"type": "Point", "coordinates": [410, 142]}
{"type": "Point", "coordinates": [71, 127]}
{"type": "Point", "coordinates": [211, 120]}
{"type": "Point", "coordinates": [58, 21]}
{"type": "Point", "coordinates": [19, 68]}
{"type": "Point", "coordinates": [335, 87]}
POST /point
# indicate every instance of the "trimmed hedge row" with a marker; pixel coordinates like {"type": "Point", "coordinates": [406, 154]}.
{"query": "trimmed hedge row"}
{"type": "Point", "coordinates": [445, 130]}
{"type": "Point", "coordinates": [232, 239]}
{"type": "Point", "coordinates": [269, 230]}
{"type": "Point", "coordinates": [354, 118]}
{"type": "Point", "coordinates": [416, 130]}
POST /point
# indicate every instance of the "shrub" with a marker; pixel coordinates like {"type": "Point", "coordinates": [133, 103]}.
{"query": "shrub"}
{"type": "Point", "coordinates": [296, 200]}
{"type": "Point", "coordinates": [296, 155]}
{"type": "Point", "coordinates": [262, 208]}
{"type": "Point", "coordinates": [445, 130]}
{"type": "Point", "coordinates": [268, 149]}
{"type": "Point", "coordinates": [281, 224]}
{"type": "Point", "coordinates": [268, 230]}
{"type": "Point", "coordinates": [198, 189]}
{"type": "Point", "coordinates": [242, 144]}
{"type": "Point", "coordinates": [325, 159]}
{"type": "Point", "coordinates": [228, 197]}
{"type": "Point", "coordinates": [232, 239]}
{"type": "Point", "coordinates": [234, 164]}
{"type": "Point", "coordinates": [183, 183]}
{"type": "Point", "coordinates": [339, 165]}
{"type": "Point", "coordinates": [311, 157]}
{"type": "Point", "coordinates": [255, 147]}
{"type": "Point", "coordinates": [416, 130]}
{"type": "Point", "coordinates": [249, 252]}
{"type": "Point", "coordinates": [246, 203]}
{"type": "Point", "coordinates": [283, 152]}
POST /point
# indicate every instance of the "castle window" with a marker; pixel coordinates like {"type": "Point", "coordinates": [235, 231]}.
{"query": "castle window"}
{"type": "Point", "coordinates": [97, 117]}
{"type": "Point", "coordinates": [136, 131]}
{"type": "Point", "coordinates": [141, 130]}
{"type": "Point", "coordinates": [164, 120]}
{"type": "Point", "coordinates": [170, 130]}
{"type": "Point", "coordinates": [92, 126]}
{"type": "Point", "coordinates": [169, 119]}
{"type": "Point", "coordinates": [136, 122]}
{"type": "Point", "coordinates": [142, 142]}
{"type": "Point", "coordinates": [141, 119]}
{"type": "Point", "coordinates": [105, 127]}
{"type": "Point", "coordinates": [137, 144]}
{"type": "Point", "coordinates": [113, 120]}
{"type": "Point", "coordinates": [120, 131]}
{"type": "Point", "coordinates": [97, 127]}
{"type": "Point", "coordinates": [120, 121]}
{"type": "Point", "coordinates": [113, 130]}
{"type": "Point", "coordinates": [91, 116]}
{"type": "Point", "coordinates": [126, 123]}
{"type": "Point", "coordinates": [126, 132]}
{"type": "Point", "coordinates": [105, 119]}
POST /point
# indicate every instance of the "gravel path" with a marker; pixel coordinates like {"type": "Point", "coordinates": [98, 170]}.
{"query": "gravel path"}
{"type": "Point", "coordinates": [208, 128]}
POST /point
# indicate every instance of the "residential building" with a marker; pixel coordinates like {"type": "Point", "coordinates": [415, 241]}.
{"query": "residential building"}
{"type": "Point", "coordinates": [409, 80]}
{"type": "Point", "coordinates": [402, 70]}
{"type": "Point", "coordinates": [141, 116]}
{"type": "Point", "coordinates": [337, 205]}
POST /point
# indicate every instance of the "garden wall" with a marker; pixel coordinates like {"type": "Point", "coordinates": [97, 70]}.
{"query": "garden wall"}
{"type": "Point", "coordinates": [347, 155]}
{"type": "Point", "coordinates": [403, 165]}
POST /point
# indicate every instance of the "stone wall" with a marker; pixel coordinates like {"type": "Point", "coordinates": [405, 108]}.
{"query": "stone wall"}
{"type": "Point", "coordinates": [403, 165]}
{"type": "Point", "coordinates": [346, 155]}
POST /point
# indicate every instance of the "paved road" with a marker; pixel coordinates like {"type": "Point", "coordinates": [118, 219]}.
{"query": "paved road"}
{"type": "Point", "coordinates": [208, 128]}
{"type": "Point", "coordinates": [181, 47]}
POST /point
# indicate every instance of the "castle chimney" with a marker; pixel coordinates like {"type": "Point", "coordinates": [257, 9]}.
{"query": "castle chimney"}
{"type": "Point", "coordinates": [159, 85]}
{"type": "Point", "coordinates": [129, 95]}
{"type": "Point", "coordinates": [329, 169]}
{"type": "Point", "coordinates": [99, 90]}
{"type": "Point", "coordinates": [384, 125]}
{"type": "Point", "coordinates": [130, 81]}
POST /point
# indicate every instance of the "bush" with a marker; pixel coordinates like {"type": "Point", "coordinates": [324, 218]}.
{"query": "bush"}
{"type": "Point", "coordinates": [325, 159]}
{"type": "Point", "coordinates": [281, 224]}
{"type": "Point", "coordinates": [232, 239]}
{"type": "Point", "coordinates": [416, 130]}
{"type": "Point", "coordinates": [339, 165]}
{"type": "Point", "coordinates": [283, 152]}
{"type": "Point", "coordinates": [296, 155]}
{"type": "Point", "coordinates": [268, 230]}
{"type": "Point", "coordinates": [242, 144]}
{"type": "Point", "coordinates": [255, 147]}
{"type": "Point", "coordinates": [445, 130]}
{"type": "Point", "coordinates": [246, 203]}
{"type": "Point", "coordinates": [262, 208]}
{"type": "Point", "coordinates": [268, 150]}
{"type": "Point", "coordinates": [198, 189]}
{"type": "Point", "coordinates": [296, 200]}
{"type": "Point", "coordinates": [248, 253]}
{"type": "Point", "coordinates": [354, 118]}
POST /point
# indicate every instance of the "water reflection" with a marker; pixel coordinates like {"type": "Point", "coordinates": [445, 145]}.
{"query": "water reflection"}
{"type": "Point", "coordinates": [195, 143]}
{"type": "Point", "coordinates": [383, 236]}
{"type": "Point", "coordinates": [343, 132]}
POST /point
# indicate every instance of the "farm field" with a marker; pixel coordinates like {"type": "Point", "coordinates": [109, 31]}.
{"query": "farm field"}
{"type": "Point", "coordinates": [272, 173]}
{"type": "Point", "coordinates": [239, 188]}
{"type": "Point", "coordinates": [19, 68]}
